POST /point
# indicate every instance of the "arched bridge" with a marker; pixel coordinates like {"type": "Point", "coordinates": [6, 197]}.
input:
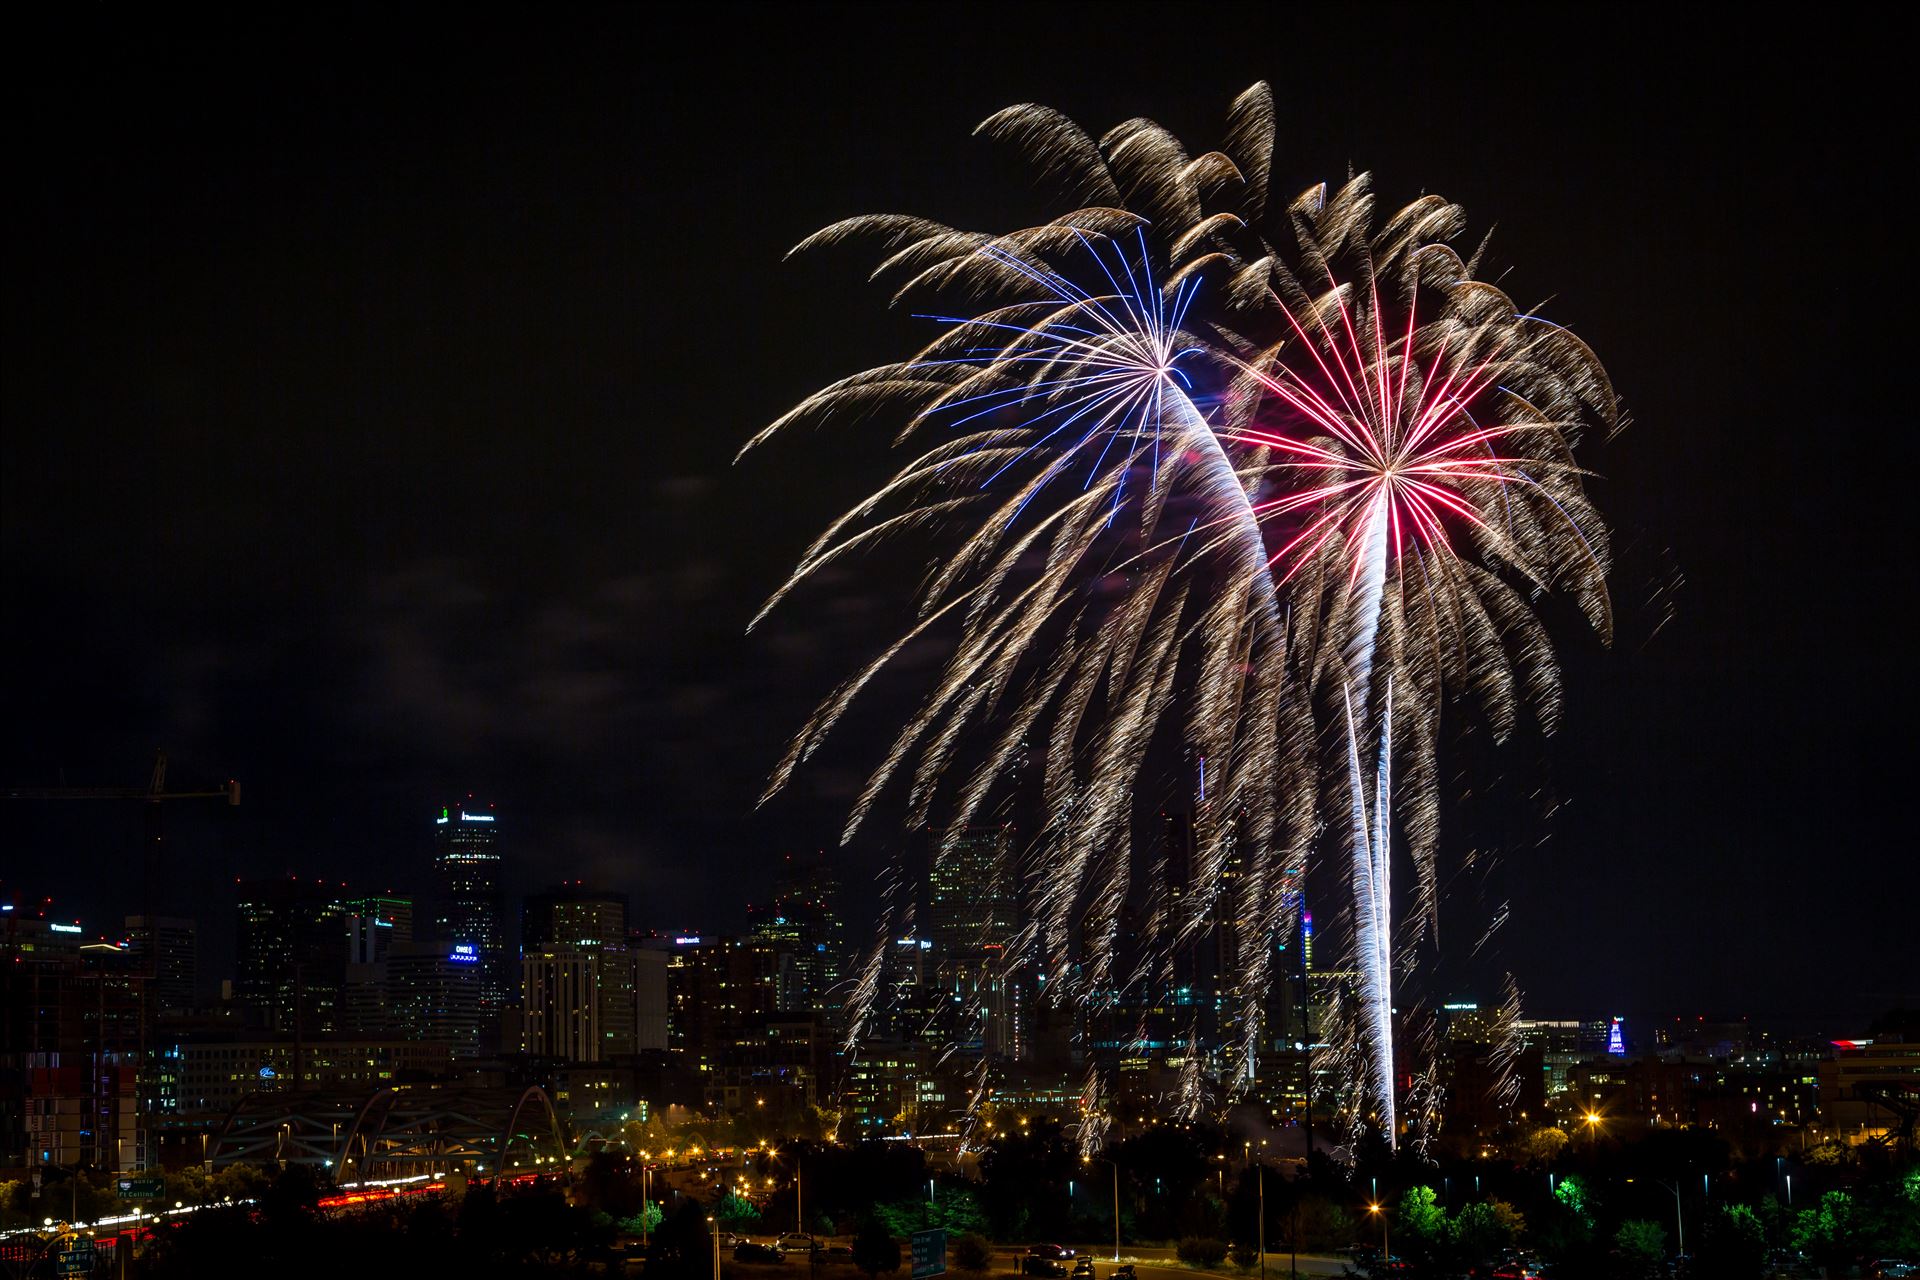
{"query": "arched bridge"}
{"type": "Point", "coordinates": [396, 1133]}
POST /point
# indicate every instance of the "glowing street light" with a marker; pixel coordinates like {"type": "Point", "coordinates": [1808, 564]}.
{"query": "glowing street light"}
{"type": "Point", "coordinates": [1386, 1254]}
{"type": "Point", "coordinates": [1593, 1119]}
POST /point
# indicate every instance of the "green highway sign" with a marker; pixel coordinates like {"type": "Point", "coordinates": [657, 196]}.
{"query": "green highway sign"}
{"type": "Point", "coordinates": [147, 1188]}
{"type": "Point", "coordinates": [929, 1254]}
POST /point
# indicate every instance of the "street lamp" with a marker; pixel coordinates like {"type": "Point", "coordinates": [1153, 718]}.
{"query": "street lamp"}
{"type": "Point", "coordinates": [1679, 1223]}
{"type": "Point", "coordinates": [1386, 1253]}
{"type": "Point", "coordinates": [1261, 1233]}
{"type": "Point", "coordinates": [1593, 1130]}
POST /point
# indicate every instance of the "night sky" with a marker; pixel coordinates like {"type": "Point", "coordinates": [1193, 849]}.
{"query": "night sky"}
{"type": "Point", "coordinates": [371, 388]}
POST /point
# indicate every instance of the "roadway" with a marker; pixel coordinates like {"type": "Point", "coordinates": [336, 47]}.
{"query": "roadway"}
{"type": "Point", "coordinates": [1150, 1263]}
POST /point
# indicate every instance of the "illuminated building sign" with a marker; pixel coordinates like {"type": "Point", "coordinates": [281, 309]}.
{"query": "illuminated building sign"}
{"type": "Point", "coordinates": [1616, 1042]}
{"type": "Point", "coordinates": [690, 940]}
{"type": "Point", "coordinates": [475, 817]}
{"type": "Point", "coordinates": [64, 928]}
{"type": "Point", "coordinates": [465, 953]}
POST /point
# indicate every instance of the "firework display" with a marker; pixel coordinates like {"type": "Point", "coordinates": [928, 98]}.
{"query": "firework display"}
{"type": "Point", "coordinates": [1272, 482]}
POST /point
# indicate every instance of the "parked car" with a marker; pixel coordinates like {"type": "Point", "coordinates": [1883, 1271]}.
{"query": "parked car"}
{"type": "Point", "coordinates": [1891, 1269]}
{"type": "Point", "coordinates": [751, 1252]}
{"type": "Point", "coordinates": [1123, 1272]}
{"type": "Point", "coordinates": [795, 1242]}
{"type": "Point", "coordinates": [1083, 1267]}
{"type": "Point", "coordinates": [1058, 1252]}
{"type": "Point", "coordinates": [1032, 1266]}
{"type": "Point", "coordinates": [837, 1253]}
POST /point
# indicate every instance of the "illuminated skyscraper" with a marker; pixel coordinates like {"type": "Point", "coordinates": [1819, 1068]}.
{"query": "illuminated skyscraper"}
{"type": "Point", "coordinates": [562, 994]}
{"type": "Point", "coordinates": [433, 995]}
{"type": "Point", "coordinates": [291, 951]}
{"type": "Point", "coordinates": [802, 926]}
{"type": "Point", "coordinates": [971, 918]}
{"type": "Point", "coordinates": [569, 922]}
{"type": "Point", "coordinates": [466, 858]}
{"type": "Point", "coordinates": [971, 891]}
{"type": "Point", "coordinates": [164, 949]}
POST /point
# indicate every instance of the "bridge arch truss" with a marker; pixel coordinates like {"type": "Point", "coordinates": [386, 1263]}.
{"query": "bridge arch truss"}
{"type": "Point", "coordinates": [397, 1133]}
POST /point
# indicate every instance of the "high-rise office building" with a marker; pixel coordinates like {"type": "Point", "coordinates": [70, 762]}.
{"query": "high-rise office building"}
{"type": "Point", "coordinates": [715, 986]}
{"type": "Point", "coordinates": [971, 918]}
{"type": "Point", "coordinates": [561, 998]}
{"type": "Point", "coordinates": [432, 992]}
{"type": "Point", "coordinates": [971, 904]}
{"type": "Point", "coordinates": [292, 952]}
{"type": "Point", "coordinates": [72, 1026]}
{"type": "Point", "coordinates": [393, 910]}
{"type": "Point", "coordinates": [650, 998]}
{"type": "Point", "coordinates": [571, 915]}
{"type": "Point", "coordinates": [572, 919]}
{"type": "Point", "coordinates": [802, 924]}
{"type": "Point", "coordinates": [165, 949]}
{"type": "Point", "coordinates": [466, 860]}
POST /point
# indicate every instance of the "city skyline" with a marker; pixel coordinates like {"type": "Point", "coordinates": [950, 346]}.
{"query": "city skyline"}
{"type": "Point", "coordinates": [369, 603]}
{"type": "Point", "coordinates": [949, 906]}
{"type": "Point", "coordinates": [1168, 642]}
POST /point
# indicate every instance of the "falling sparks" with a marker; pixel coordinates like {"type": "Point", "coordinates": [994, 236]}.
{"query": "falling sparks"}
{"type": "Point", "coordinates": [1228, 472]}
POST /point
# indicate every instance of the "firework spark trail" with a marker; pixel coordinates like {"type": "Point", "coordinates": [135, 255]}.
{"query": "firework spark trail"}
{"type": "Point", "coordinates": [1386, 444]}
{"type": "Point", "coordinates": [1072, 382]}
{"type": "Point", "coordinates": [1508, 1045]}
{"type": "Point", "coordinates": [1373, 908]}
{"type": "Point", "coordinates": [1386, 432]}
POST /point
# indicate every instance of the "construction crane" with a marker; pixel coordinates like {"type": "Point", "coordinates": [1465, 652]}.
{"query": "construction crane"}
{"type": "Point", "coordinates": [154, 791]}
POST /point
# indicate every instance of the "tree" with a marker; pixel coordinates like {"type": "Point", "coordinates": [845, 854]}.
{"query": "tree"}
{"type": "Point", "coordinates": [1507, 1219]}
{"type": "Point", "coordinates": [1245, 1257]}
{"type": "Point", "coordinates": [1540, 1147]}
{"type": "Point", "coordinates": [644, 1223]}
{"type": "Point", "coordinates": [610, 1182]}
{"type": "Point", "coordinates": [971, 1252]}
{"type": "Point", "coordinates": [874, 1248]}
{"type": "Point", "coordinates": [682, 1248]}
{"type": "Point", "coordinates": [1316, 1223]}
{"type": "Point", "coordinates": [735, 1214]}
{"type": "Point", "coordinates": [1481, 1230]}
{"type": "Point", "coordinates": [954, 1209]}
{"type": "Point", "coordinates": [1732, 1245]}
{"type": "Point", "coordinates": [1564, 1229]}
{"type": "Point", "coordinates": [1201, 1252]}
{"type": "Point", "coordinates": [1025, 1176]}
{"type": "Point", "coordinates": [1827, 1231]}
{"type": "Point", "coordinates": [1642, 1245]}
{"type": "Point", "coordinates": [1420, 1215]}
{"type": "Point", "coordinates": [1572, 1193]}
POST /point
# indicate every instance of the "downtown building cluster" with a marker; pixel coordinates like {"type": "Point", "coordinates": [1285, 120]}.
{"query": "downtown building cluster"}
{"type": "Point", "coordinates": [117, 1056]}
